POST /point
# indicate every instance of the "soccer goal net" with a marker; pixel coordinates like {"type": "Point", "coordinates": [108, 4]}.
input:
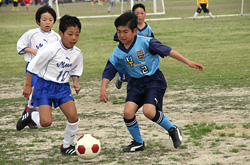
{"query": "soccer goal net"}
{"type": "Point", "coordinates": [154, 8]}
{"type": "Point", "coordinates": [100, 8]}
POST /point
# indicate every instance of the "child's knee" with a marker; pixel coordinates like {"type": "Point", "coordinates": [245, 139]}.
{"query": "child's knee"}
{"type": "Point", "coordinates": [149, 113]}
{"type": "Point", "coordinates": [73, 119]}
{"type": "Point", "coordinates": [45, 123]}
{"type": "Point", "coordinates": [128, 114]}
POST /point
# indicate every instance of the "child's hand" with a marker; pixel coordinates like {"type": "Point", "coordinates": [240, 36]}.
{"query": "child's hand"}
{"type": "Point", "coordinates": [196, 65]}
{"type": "Point", "coordinates": [35, 51]}
{"type": "Point", "coordinates": [27, 91]}
{"type": "Point", "coordinates": [104, 96]}
{"type": "Point", "coordinates": [77, 88]}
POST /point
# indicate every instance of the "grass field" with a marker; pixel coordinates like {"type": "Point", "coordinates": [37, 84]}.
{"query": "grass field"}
{"type": "Point", "coordinates": [212, 107]}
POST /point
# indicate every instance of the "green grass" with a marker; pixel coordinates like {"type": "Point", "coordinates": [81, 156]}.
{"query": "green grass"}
{"type": "Point", "coordinates": [221, 45]}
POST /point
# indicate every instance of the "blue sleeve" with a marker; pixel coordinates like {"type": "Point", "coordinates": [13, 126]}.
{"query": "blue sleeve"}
{"type": "Point", "coordinates": [109, 71]}
{"type": "Point", "coordinates": [156, 47]}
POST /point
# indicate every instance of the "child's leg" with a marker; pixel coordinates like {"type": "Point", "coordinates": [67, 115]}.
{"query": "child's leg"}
{"type": "Point", "coordinates": [157, 116]}
{"type": "Point", "coordinates": [43, 118]}
{"type": "Point", "coordinates": [69, 110]}
{"type": "Point", "coordinates": [131, 122]}
{"type": "Point", "coordinates": [210, 15]}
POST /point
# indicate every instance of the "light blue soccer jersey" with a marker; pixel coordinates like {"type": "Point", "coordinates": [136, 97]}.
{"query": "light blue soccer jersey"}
{"type": "Point", "coordinates": [137, 61]}
{"type": "Point", "coordinates": [146, 31]}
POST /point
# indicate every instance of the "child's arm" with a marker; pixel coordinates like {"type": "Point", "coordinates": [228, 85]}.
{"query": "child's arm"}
{"type": "Point", "coordinates": [103, 92]}
{"type": "Point", "coordinates": [31, 50]}
{"type": "Point", "coordinates": [179, 57]}
{"type": "Point", "coordinates": [75, 84]}
{"type": "Point", "coordinates": [27, 88]}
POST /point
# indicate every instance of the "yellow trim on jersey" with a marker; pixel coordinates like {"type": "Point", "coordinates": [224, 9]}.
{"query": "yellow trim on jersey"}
{"type": "Point", "coordinates": [199, 2]}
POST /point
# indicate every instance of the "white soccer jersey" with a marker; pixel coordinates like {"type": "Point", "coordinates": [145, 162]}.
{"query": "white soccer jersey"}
{"type": "Point", "coordinates": [54, 62]}
{"type": "Point", "coordinates": [35, 38]}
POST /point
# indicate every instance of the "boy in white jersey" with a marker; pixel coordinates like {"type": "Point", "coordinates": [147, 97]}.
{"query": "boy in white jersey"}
{"type": "Point", "coordinates": [54, 64]}
{"type": "Point", "coordinates": [138, 56]}
{"type": "Point", "coordinates": [34, 39]}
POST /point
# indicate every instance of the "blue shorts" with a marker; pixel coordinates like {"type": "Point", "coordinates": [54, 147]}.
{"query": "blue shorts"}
{"type": "Point", "coordinates": [34, 78]}
{"type": "Point", "coordinates": [147, 90]}
{"type": "Point", "coordinates": [48, 92]}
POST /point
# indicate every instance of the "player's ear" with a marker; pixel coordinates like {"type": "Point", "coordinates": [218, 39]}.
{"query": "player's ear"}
{"type": "Point", "coordinates": [135, 31]}
{"type": "Point", "coordinates": [60, 33]}
{"type": "Point", "coordinates": [38, 23]}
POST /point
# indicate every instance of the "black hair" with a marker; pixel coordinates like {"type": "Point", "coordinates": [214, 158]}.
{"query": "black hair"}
{"type": "Point", "coordinates": [127, 19]}
{"type": "Point", "coordinates": [45, 9]}
{"type": "Point", "coordinates": [138, 5]}
{"type": "Point", "coordinates": [69, 21]}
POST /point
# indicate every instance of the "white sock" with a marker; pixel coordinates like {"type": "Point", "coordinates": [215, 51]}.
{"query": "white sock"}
{"type": "Point", "coordinates": [195, 14]}
{"type": "Point", "coordinates": [36, 118]}
{"type": "Point", "coordinates": [70, 133]}
{"type": "Point", "coordinates": [29, 102]}
{"type": "Point", "coordinates": [210, 14]}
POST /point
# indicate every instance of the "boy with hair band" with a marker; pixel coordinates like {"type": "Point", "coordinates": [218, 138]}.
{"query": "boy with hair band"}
{"type": "Point", "coordinates": [34, 39]}
{"type": "Point", "coordinates": [143, 29]}
{"type": "Point", "coordinates": [139, 57]}
{"type": "Point", "coordinates": [54, 64]}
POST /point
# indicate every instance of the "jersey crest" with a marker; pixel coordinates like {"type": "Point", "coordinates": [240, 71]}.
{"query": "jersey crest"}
{"type": "Point", "coordinates": [140, 54]}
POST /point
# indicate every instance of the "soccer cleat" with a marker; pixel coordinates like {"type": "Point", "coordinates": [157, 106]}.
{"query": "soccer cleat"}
{"type": "Point", "coordinates": [134, 146]}
{"type": "Point", "coordinates": [26, 109]}
{"type": "Point", "coordinates": [68, 151]}
{"type": "Point", "coordinates": [31, 125]}
{"type": "Point", "coordinates": [118, 83]}
{"type": "Point", "coordinates": [24, 120]}
{"type": "Point", "coordinates": [176, 135]}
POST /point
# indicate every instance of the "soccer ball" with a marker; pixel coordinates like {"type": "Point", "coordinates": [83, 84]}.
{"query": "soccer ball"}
{"type": "Point", "coordinates": [88, 146]}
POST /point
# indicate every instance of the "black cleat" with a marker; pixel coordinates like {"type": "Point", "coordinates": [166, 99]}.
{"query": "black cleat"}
{"type": "Point", "coordinates": [176, 135]}
{"type": "Point", "coordinates": [24, 120]}
{"type": "Point", "coordinates": [31, 125]}
{"type": "Point", "coordinates": [68, 151]}
{"type": "Point", "coordinates": [134, 146]}
{"type": "Point", "coordinates": [118, 83]}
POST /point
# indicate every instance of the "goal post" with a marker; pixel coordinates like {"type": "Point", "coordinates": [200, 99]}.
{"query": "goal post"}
{"type": "Point", "coordinates": [175, 9]}
{"type": "Point", "coordinates": [158, 8]}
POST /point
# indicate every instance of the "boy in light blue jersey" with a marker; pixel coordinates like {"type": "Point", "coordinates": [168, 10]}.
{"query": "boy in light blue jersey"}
{"type": "Point", "coordinates": [143, 29]}
{"type": "Point", "coordinates": [138, 56]}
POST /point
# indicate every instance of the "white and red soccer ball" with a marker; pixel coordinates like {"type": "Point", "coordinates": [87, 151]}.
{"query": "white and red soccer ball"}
{"type": "Point", "coordinates": [88, 146]}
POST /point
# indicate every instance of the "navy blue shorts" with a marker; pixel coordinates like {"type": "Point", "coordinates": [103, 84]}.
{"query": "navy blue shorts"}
{"type": "Point", "coordinates": [204, 8]}
{"type": "Point", "coordinates": [48, 92]}
{"type": "Point", "coordinates": [147, 90]}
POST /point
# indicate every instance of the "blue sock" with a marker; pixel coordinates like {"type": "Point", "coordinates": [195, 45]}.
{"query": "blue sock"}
{"type": "Point", "coordinates": [162, 120]}
{"type": "Point", "coordinates": [133, 128]}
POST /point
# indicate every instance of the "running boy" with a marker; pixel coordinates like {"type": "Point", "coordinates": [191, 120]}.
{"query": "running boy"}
{"type": "Point", "coordinates": [34, 39]}
{"type": "Point", "coordinates": [54, 64]}
{"type": "Point", "coordinates": [139, 57]}
{"type": "Point", "coordinates": [143, 29]}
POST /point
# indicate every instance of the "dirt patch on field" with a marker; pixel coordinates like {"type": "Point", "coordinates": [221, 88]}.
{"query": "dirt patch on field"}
{"type": "Point", "coordinates": [227, 143]}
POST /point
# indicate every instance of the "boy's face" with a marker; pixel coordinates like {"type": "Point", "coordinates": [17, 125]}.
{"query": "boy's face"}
{"type": "Point", "coordinates": [141, 15]}
{"type": "Point", "coordinates": [46, 22]}
{"type": "Point", "coordinates": [70, 37]}
{"type": "Point", "coordinates": [125, 35]}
